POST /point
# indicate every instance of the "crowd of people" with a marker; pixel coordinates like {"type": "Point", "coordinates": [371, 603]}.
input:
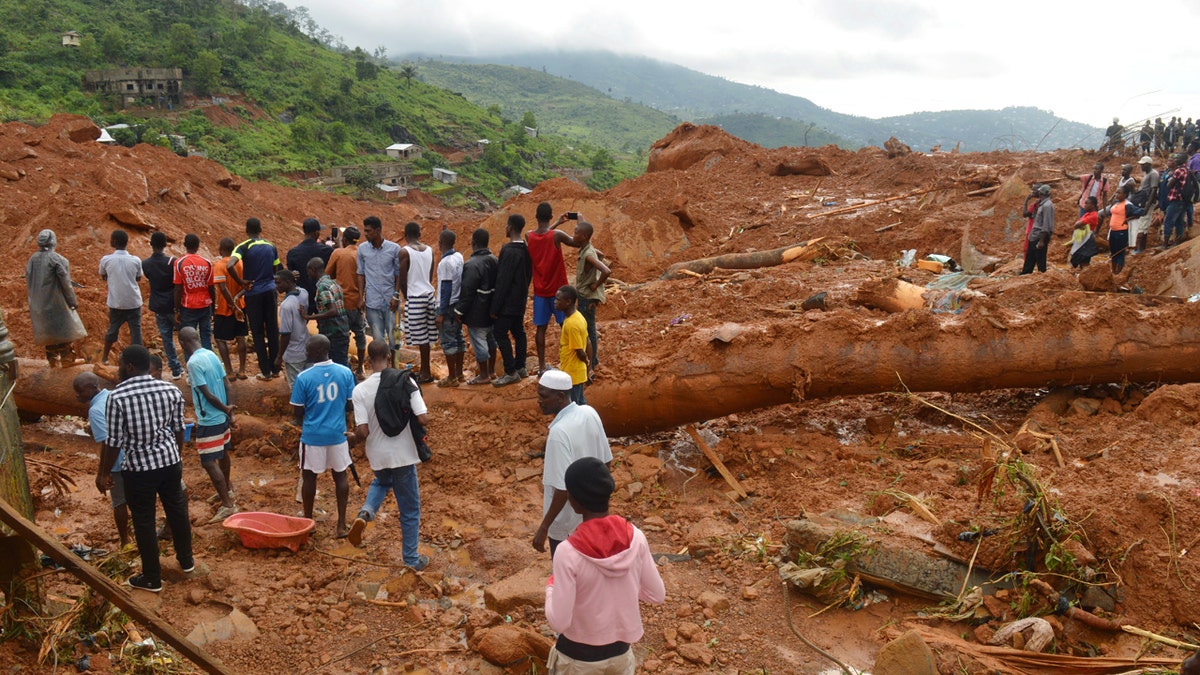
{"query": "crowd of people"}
{"type": "Point", "coordinates": [1122, 212]}
{"type": "Point", "coordinates": [602, 563]}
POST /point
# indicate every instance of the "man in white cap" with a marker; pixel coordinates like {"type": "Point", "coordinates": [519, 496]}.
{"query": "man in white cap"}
{"type": "Point", "coordinates": [1139, 228]}
{"type": "Point", "coordinates": [575, 433]}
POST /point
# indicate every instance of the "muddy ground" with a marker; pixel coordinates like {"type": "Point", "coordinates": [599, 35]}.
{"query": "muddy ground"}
{"type": "Point", "coordinates": [1127, 489]}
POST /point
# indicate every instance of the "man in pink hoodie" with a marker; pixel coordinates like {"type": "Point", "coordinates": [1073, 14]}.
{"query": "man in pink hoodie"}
{"type": "Point", "coordinates": [600, 573]}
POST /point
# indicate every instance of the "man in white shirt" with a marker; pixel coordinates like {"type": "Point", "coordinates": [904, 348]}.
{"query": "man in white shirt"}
{"type": "Point", "coordinates": [575, 433]}
{"type": "Point", "coordinates": [121, 272]}
{"type": "Point", "coordinates": [393, 459]}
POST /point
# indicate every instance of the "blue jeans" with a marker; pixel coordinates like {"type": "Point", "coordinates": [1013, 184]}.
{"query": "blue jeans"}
{"type": "Point", "coordinates": [1174, 222]}
{"type": "Point", "coordinates": [380, 323]}
{"type": "Point", "coordinates": [402, 482]}
{"type": "Point", "coordinates": [588, 309]}
{"type": "Point", "coordinates": [166, 332]}
{"type": "Point", "coordinates": [577, 393]}
{"type": "Point", "coordinates": [201, 320]}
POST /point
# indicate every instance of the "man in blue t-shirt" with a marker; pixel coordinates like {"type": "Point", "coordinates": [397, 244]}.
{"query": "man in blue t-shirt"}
{"type": "Point", "coordinates": [214, 417]}
{"type": "Point", "coordinates": [320, 398]}
{"type": "Point", "coordinates": [260, 261]}
{"type": "Point", "coordinates": [87, 390]}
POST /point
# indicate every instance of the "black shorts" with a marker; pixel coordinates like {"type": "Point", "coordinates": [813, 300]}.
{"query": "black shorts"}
{"type": "Point", "coordinates": [228, 327]}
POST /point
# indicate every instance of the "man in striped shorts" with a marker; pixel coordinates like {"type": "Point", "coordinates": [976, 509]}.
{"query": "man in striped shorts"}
{"type": "Point", "coordinates": [214, 417]}
{"type": "Point", "coordinates": [416, 284]}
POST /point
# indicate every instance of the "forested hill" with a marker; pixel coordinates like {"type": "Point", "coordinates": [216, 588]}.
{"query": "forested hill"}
{"type": "Point", "coordinates": [692, 95]}
{"type": "Point", "coordinates": [293, 98]}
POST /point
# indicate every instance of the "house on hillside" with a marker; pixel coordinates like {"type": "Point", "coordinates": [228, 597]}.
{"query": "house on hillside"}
{"type": "Point", "coordinates": [71, 38]}
{"type": "Point", "coordinates": [531, 132]}
{"type": "Point", "coordinates": [403, 151]}
{"type": "Point", "coordinates": [445, 176]}
{"type": "Point", "coordinates": [393, 174]}
{"type": "Point", "coordinates": [157, 86]}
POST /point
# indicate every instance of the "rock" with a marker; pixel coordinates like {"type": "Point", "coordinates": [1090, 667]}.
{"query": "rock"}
{"type": "Point", "coordinates": [1111, 406]}
{"type": "Point", "coordinates": [983, 634]}
{"type": "Point", "coordinates": [1097, 277]}
{"type": "Point", "coordinates": [526, 588]}
{"type": "Point", "coordinates": [878, 425]}
{"type": "Point", "coordinates": [76, 129]}
{"type": "Point", "coordinates": [995, 607]}
{"type": "Point", "coordinates": [654, 524]}
{"type": "Point", "coordinates": [1084, 407]}
{"type": "Point", "coordinates": [451, 617]}
{"type": "Point", "coordinates": [714, 601]}
{"type": "Point", "coordinates": [195, 596]}
{"type": "Point", "coordinates": [749, 593]}
{"type": "Point", "coordinates": [336, 616]}
{"type": "Point", "coordinates": [1082, 556]}
{"type": "Point", "coordinates": [817, 301]}
{"type": "Point", "coordinates": [502, 556]}
{"type": "Point", "coordinates": [644, 468]}
{"type": "Point", "coordinates": [1097, 598]}
{"type": "Point", "coordinates": [122, 183]}
{"type": "Point", "coordinates": [704, 537]}
{"type": "Point", "coordinates": [906, 655]}
{"type": "Point", "coordinates": [1175, 404]}
{"type": "Point", "coordinates": [688, 631]}
{"type": "Point", "coordinates": [509, 645]}
{"type": "Point", "coordinates": [234, 626]}
{"type": "Point", "coordinates": [697, 653]}
{"type": "Point", "coordinates": [895, 148]}
{"type": "Point", "coordinates": [802, 166]}
{"type": "Point", "coordinates": [7, 172]}
{"type": "Point", "coordinates": [16, 154]}
{"type": "Point", "coordinates": [131, 217]}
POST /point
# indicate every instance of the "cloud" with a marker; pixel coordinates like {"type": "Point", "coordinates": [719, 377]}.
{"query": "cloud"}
{"type": "Point", "coordinates": [830, 65]}
{"type": "Point", "coordinates": [887, 17]}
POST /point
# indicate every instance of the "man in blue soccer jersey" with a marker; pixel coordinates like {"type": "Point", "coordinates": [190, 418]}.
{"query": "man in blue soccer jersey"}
{"type": "Point", "coordinates": [319, 400]}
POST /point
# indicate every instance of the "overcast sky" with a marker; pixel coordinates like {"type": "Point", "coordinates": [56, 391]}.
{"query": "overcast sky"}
{"type": "Point", "coordinates": [1087, 61]}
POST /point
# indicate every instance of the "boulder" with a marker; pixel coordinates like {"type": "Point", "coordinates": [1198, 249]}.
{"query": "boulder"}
{"type": "Point", "coordinates": [906, 655]}
{"type": "Point", "coordinates": [525, 588]}
{"type": "Point", "coordinates": [1172, 404]}
{"type": "Point", "coordinates": [501, 557]}
{"type": "Point", "coordinates": [124, 184]}
{"type": "Point", "coordinates": [130, 217]}
{"type": "Point", "coordinates": [644, 468]}
{"type": "Point", "coordinates": [508, 645]}
{"type": "Point", "coordinates": [235, 625]}
{"type": "Point", "coordinates": [1097, 277]}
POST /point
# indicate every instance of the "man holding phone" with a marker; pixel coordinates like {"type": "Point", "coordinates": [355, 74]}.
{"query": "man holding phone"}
{"type": "Point", "coordinates": [549, 272]}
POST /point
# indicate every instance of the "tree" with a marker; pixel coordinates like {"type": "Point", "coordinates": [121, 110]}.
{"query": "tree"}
{"type": "Point", "coordinates": [408, 71]}
{"type": "Point", "coordinates": [182, 41]}
{"type": "Point", "coordinates": [112, 44]}
{"type": "Point", "coordinates": [206, 72]}
{"type": "Point", "coordinates": [338, 134]}
{"type": "Point", "coordinates": [528, 120]}
{"type": "Point", "coordinates": [361, 179]}
{"type": "Point", "coordinates": [601, 160]}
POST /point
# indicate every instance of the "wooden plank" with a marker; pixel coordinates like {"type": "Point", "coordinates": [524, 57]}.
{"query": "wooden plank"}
{"type": "Point", "coordinates": [105, 587]}
{"type": "Point", "coordinates": [712, 457]}
{"type": "Point", "coordinates": [855, 207]}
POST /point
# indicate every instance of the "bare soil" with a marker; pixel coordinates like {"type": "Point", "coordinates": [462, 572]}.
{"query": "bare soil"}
{"type": "Point", "coordinates": [1129, 487]}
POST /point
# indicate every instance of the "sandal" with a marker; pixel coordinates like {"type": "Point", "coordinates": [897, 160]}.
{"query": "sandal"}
{"type": "Point", "coordinates": [448, 382]}
{"type": "Point", "coordinates": [482, 379]}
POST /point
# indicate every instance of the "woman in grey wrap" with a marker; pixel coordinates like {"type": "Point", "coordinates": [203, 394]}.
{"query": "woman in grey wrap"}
{"type": "Point", "coordinates": [52, 302]}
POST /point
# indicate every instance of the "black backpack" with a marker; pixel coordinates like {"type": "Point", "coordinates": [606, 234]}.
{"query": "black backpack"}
{"type": "Point", "coordinates": [1191, 188]}
{"type": "Point", "coordinates": [393, 408]}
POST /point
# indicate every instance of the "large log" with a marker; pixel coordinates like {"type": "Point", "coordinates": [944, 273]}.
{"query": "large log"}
{"type": "Point", "coordinates": [1078, 338]}
{"type": "Point", "coordinates": [745, 261]}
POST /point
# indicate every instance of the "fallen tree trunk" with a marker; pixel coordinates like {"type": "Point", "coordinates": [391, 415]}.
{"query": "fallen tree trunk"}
{"type": "Point", "coordinates": [1078, 338]}
{"type": "Point", "coordinates": [743, 261]}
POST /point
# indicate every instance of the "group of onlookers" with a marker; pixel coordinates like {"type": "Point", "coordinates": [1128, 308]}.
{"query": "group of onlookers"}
{"type": "Point", "coordinates": [1131, 208]}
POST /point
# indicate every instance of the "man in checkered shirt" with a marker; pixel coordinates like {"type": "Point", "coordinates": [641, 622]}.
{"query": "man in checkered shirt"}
{"type": "Point", "coordinates": [145, 419]}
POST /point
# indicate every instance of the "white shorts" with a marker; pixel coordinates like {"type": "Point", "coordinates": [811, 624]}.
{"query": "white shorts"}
{"type": "Point", "coordinates": [322, 458]}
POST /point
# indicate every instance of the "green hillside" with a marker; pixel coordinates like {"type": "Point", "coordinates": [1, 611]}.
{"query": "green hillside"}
{"type": "Point", "coordinates": [562, 107]}
{"type": "Point", "coordinates": [776, 132]}
{"type": "Point", "coordinates": [698, 97]}
{"type": "Point", "coordinates": [300, 100]}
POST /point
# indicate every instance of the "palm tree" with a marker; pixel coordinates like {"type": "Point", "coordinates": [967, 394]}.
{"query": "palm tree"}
{"type": "Point", "coordinates": [408, 71]}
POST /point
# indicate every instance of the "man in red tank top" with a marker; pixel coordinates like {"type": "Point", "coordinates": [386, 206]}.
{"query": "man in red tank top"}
{"type": "Point", "coordinates": [549, 272]}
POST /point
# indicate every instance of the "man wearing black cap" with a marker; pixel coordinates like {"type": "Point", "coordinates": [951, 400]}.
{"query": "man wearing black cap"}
{"type": "Point", "coordinates": [575, 433]}
{"type": "Point", "coordinates": [600, 573]}
{"type": "Point", "coordinates": [300, 254]}
{"type": "Point", "coordinates": [343, 267]}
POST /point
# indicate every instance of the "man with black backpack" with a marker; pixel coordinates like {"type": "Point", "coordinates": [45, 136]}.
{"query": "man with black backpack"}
{"type": "Point", "coordinates": [390, 416]}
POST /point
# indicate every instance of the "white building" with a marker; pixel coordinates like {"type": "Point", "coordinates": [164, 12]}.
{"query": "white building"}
{"type": "Point", "coordinates": [403, 151]}
{"type": "Point", "coordinates": [445, 175]}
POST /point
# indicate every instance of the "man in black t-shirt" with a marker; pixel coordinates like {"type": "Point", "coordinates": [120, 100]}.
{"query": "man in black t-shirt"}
{"type": "Point", "coordinates": [159, 272]}
{"type": "Point", "coordinates": [300, 254]}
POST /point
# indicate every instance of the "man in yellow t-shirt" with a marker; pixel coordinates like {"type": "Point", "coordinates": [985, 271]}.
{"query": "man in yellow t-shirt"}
{"type": "Point", "coordinates": [574, 356]}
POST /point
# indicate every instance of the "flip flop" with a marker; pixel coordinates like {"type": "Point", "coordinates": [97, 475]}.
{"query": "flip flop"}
{"type": "Point", "coordinates": [241, 376]}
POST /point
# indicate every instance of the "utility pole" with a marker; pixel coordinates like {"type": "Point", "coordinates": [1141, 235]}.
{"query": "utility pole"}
{"type": "Point", "coordinates": [15, 552]}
